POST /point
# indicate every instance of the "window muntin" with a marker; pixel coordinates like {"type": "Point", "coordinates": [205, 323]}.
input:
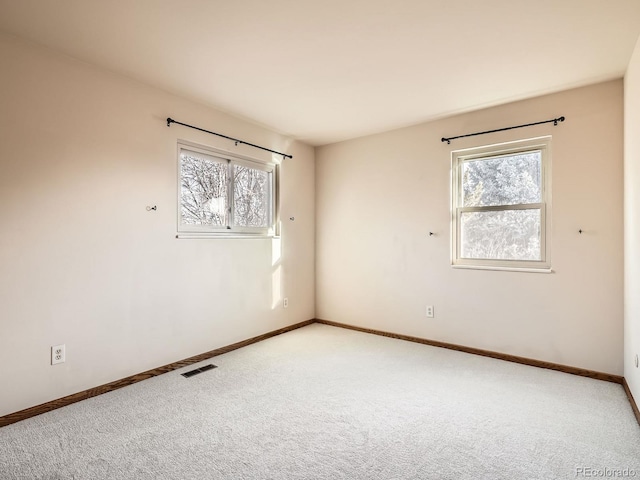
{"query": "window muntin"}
{"type": "Point", "coordinates": [500, 206]}
{"type": "Point", "coordinates": [224, 194]}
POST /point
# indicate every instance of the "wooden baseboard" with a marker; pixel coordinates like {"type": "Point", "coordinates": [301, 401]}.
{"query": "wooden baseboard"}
{"type": "Point", "coordinates": [634, 405]}
{"type": "Point", "coordinates": [109, 387]}
{"type": "Point", "coordinates": [485, 353]}
{"type": "Point", "coordinates": [123, 382]}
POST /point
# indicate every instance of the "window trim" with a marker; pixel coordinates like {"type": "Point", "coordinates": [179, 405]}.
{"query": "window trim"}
{"type": "Point", "coordinates": [458, 157]}
{"type": "Point", "coordinates": [224, 231]}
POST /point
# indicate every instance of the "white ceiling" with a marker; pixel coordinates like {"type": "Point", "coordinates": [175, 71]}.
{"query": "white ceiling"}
{"type": "Point", "coordinates": [325, 71]}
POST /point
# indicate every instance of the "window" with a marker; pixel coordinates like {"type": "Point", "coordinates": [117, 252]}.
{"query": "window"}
{"type": "Point", "coordinates": [501, 209]}
{"type": "Point", "coordinates": [224, 194]}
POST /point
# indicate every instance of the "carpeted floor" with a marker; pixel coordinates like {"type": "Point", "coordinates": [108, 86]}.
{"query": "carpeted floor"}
{"type": "Point", "coordinates": [328, 403]}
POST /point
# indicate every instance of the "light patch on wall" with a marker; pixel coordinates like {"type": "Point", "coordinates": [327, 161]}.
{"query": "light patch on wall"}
{"type": "Point", "coordinates": [276, 276]}
{"type": "Point", "coordinates": [276, 289]}
{"type": "Point", "coordinates": [276, 251]}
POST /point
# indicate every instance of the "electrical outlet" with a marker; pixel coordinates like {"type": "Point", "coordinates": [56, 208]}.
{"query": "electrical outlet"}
{"type": "Point", "coordinates": [58, 354]}
{"type": "Point", "coordinates": [285, 302]}
{"type": "Point", "coordinates": [430, 312]}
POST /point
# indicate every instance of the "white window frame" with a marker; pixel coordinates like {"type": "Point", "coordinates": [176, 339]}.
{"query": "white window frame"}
{"type": "Point", "coordinates": [458, 157]}
{"type": "Point", "coordinates": [229, 230]}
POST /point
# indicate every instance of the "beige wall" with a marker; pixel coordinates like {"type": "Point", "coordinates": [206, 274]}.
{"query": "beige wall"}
{"type": "Point", "coordinates": [85, 264]}
{"type": "Point", "coordinates": [378, 198]}
{"type": "Point", "coordinates": [632, 222]}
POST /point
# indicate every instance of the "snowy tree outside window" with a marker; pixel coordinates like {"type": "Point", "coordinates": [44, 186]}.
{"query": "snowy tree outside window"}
{"type": "Point", "coordinates": [500, 205]}
{"type": "Point", "coordinates": [224, 195]}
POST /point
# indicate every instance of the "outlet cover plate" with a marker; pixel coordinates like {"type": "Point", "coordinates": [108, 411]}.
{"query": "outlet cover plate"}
{"type": "Point", "coordinates": [58, 354]}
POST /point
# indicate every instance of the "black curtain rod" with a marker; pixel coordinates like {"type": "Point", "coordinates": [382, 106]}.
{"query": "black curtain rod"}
{"type": "Point", "coordinates": [171, 120]}
{"type": "Point", "coordinates": [554, 120]}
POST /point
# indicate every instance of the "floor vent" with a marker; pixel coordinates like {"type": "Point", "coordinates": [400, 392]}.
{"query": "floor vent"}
{"type": "Point", "coordinates": [198, 370]}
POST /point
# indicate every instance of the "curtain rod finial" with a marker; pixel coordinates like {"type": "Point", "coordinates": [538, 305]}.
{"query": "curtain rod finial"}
{"type": "Point", "coordinates": [170, 121]}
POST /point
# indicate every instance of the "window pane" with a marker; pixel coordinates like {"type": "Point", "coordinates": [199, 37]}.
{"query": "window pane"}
{"type": "Point", "coordinates": [251, 197]}
{"type": "Point", "coordinates": [203, 192]}
{"type": "Point", "coordinates": [505, 180]}
{"type": "Point", "coordinates": [501, 235]}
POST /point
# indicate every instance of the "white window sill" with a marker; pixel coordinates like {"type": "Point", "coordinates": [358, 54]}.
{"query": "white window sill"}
{"type": "Point", "coordinates": [190, 236]}
{"type": "Point", "coordinates": [504, 269]}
